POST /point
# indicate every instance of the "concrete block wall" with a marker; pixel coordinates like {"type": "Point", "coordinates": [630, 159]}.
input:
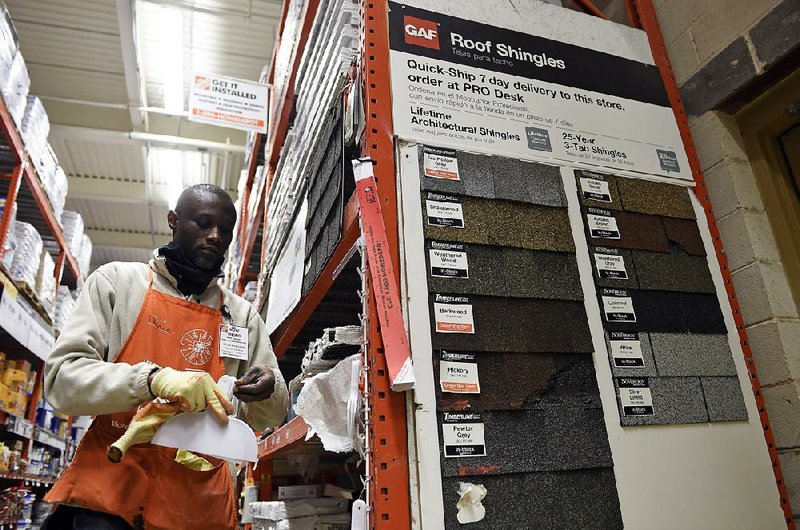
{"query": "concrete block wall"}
{"type": "Point", "coordinates": [718, 48]}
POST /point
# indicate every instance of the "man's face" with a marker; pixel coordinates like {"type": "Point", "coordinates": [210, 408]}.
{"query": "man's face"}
{"type": "Point", "coordinates": [204, 229]}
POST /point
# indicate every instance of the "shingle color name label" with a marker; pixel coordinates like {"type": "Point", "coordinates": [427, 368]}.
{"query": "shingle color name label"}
{"type": "Point", "coordinates": [458, 373]}
{"type": "Point", "coordinates": [453, 314]}
{"type": "Point", "coordinates": [635, 397]}
{"type": "Point", "coordinates": [626, 349]}
{"type": "Point", "coordinates": [440, 163]}
{"type": "Point", "coordinates": [444, 210]}
{"type": "Point", "coordinates": [602, 224]}
{"type": "Point", "coordinates": [610, 264]}
{"type": "Point", "coordinates": [617, 306]}
{"type": "Point", "coordinates": [463, 435]}
{"type": "Point", "coordinates": [595, 189]}
{"type": "Point", "coordinates": [448, 260]}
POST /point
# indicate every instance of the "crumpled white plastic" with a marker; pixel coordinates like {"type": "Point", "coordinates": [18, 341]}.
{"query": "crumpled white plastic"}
{"type": "Point", "coordinates": [470, 509]}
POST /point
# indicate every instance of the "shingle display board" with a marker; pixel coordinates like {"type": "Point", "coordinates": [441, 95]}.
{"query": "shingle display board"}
{"type": "Point", "coordinates": [517, 397]}
{"type": "Point", "coordinates": [666, 336]}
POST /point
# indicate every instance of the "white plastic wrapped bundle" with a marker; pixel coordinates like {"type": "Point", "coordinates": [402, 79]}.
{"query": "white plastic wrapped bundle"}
{"type": "Point", "coordinates": [46, 165]}
{"type": "Point", "coordinates": [8, 43]}
{"type": "Point", "coordinates": [85, 255]}
{"type": "Point", "coordinates": [65, 303]}
{"type": "Point", "coordinates": [46, 283]}
{"type": "Point", "coordinates": [72, 222]}
{"type": "Point", "coordinates": [59, 186]}
{"type": "Point", "coordinates": [10, 242]}
{"type": "Point", "coordinates": [35, 126]}
{"type": "Point", "coordinates": [27, 255]}
{"type": "Point", "coordinates": [16, 88]}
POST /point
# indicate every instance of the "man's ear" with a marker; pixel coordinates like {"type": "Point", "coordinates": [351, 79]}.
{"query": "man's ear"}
{"type": "Point", "coordinates": [172, 219]}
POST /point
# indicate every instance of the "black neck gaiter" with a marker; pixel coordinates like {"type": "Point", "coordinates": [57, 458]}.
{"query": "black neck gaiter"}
{"type": "Point", "coordinates": [191, 280]}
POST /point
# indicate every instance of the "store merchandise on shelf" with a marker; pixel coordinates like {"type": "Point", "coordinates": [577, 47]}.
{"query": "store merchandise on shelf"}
{"type": "Point", "coordinates": [46, 283]}
{"type": "Point", "coordinates": [17, 380]}
{"type": "Point", "coordinates": [17, 507]}
{"type": "Point", "coordinates": [72, 222]}
{"type": "Point", "coordinates": [65, 303]}
{"type": "Point", "coordinates": [10, 242]}
{"type": "Point", "coordinates": [27, 254]}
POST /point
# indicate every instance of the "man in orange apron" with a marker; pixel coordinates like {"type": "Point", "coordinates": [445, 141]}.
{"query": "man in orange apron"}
{"type": "Point", "coordinates": [141, 332]}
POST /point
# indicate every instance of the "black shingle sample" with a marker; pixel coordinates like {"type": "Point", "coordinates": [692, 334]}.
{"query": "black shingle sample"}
{"type": "Point", "coordinates": [637, 231]}
{"type": "Point", "coordinates": [655, 198]}
{"type": "Point", "coordinates": [676, 400]}
{"type": "Point", "coordinates": [616, 201]}
{"type": "Point", "coordinates": [724, 399]}
{"type": "Point", "coordinates": [505, 223]}
{"type": "Point", "coordinates": [567, 500]}
{"type": "Point", "coordinates": [616, 283]}
{"type": "Point", "coordinates": [675, 271]}
{"type": "Point", "coordinates": [497, 271]}
{"type": "Point", "coordinates": [520, 325]}
{"type": "Point", "coordinates": [518, 180]}
{"type": "Point", "coordinates": [672, 312]}
{"type": "Point", "coordinates": [649, 368]}
{"type": "Point", "coordinates": [686, 234]}
{"type": "Point", "coordinates": [692, 354]}
{"type": "Point", "coordinates": [550, 438]}
{"type": "Point", "coordinates": [513, 381]}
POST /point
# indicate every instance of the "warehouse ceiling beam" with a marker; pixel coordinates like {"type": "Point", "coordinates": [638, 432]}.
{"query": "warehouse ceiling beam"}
{"type": "Point", "coordinates": [120, 239]}
{"type": "Point", "coordinates": [246, 15]}
{"type": "Point", "coordinates": [110, 136]}
{"type": "Point", "coordinates": [130, 61]}
{"type": "Point", "coordinates": [116, 191]}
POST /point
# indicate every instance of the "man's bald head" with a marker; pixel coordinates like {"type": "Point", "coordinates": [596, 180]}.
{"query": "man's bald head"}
{"type": "Point", "coordinates": [202, 224]}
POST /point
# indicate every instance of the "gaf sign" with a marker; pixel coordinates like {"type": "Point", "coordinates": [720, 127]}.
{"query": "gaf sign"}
{"type": "Point", "coordinates": [421, 32]}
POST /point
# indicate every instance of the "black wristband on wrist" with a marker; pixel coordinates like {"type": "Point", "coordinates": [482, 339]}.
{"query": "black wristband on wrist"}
{"type": "Point", "coordinates": [149, 387]}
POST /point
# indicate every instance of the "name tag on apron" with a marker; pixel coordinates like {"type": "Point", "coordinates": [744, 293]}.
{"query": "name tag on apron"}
{"type": "Point", "coordinates": [233, 342]}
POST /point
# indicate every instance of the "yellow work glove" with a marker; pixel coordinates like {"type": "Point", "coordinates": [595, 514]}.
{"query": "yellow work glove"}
{"type": "Point", "coordinates": [193, 390]}
{"type": "Point", "coordinates": [142, 428]}
{"type": "Point", "coordinates": [193, 461]}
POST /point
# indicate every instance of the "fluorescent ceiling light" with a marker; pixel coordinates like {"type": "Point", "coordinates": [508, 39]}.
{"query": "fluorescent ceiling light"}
{"type": "Point", "coordinates": [171, 59]}
{"type": "Point", "coordinates": [166, 166]}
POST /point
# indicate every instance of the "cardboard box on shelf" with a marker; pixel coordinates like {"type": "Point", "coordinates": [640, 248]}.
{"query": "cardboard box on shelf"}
{"type": "Point", "coordinates": [15, 378]}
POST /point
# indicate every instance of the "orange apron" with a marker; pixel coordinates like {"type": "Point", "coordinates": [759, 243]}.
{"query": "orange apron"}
{"type": "Point", "coordinates": [148, 488]}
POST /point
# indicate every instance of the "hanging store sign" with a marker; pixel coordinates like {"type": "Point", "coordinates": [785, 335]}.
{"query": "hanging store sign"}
{"type": "Point", "coordinates": [458, 373]}
{"type": "Point", "coordinates": [463, 435]}
{"type": "Point", "coordinates": [635, 396]}
{"type": "Point", "coordinates": [229, 102]}
{"type": "Point", "coordinates": [465, 84]}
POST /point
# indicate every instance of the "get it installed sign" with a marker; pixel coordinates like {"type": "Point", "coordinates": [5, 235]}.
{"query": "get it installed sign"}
{"type": "Point", "coordinates": [229, 102]}
{"type": "Point", "coordinates": [537, 94]}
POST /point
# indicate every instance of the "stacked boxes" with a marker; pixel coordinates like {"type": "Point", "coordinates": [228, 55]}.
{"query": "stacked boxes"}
{"type": "Point", "coordinates": [512, 347]}
{"type": "Point", "coordinates": [16, 385]}
{"type": "Point", "coordinates": [666, 337]}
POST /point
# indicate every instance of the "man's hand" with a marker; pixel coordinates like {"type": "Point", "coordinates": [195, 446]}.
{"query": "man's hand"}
{"type": "Point", "coordinates": [148, 419]}
{"type": "Point", "coordinates": [256, 385]}
{"type": "Point", "coordinates": [193, 390]}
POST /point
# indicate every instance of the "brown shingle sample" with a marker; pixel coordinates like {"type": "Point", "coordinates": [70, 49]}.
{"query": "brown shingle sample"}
{"type": "Point", "coordinates": [675, 271]}
{"type": "Point", "coordinates": [505, 223]}
{"type": "Point", "coordinates": [513, 381]}
{"type": "Point", "coordinates": [566, 500]}
{"type": "Point", "coordinates": [520, 325]}
{"type": "Point", "coordinates": [656, 198]}
{"type": "Point", "coordinates": [686, 234]}
{"type": "Point", "coordinates": [692, 354]}
{"type": "Point", "coordinates": [724, 398]}
{"type": "Point", "coordinates": [637, 231]}
{"type": "Point", "coordinates": [676, 400]}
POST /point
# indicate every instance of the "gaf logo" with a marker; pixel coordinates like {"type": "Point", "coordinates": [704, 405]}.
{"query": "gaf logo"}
{"type": "Point", "coordinates": [421, 32]}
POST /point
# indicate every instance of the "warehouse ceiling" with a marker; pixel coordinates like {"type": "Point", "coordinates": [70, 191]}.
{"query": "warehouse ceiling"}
{"type": "Point", "coordinates": [114, 78]}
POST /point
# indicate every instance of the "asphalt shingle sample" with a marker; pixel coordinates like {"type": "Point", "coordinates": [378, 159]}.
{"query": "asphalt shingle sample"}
{"type": "Point", "coordinates": [508, 224]}
{"type": "Point", "coordinates": [671, 312]}
{"type": "Point", "coordinates": [616, 201]}
{"type": "Point", "coordinates": [497, 271]}
{"type": "Point", "coordinates": [691, 354]}
{"type": "Point", "coordinates": [655, 198]}
{"type": "Point", "coordinates": [475, 172]}
{"type": "Point", "coordinates": [550, 438]}
{"type": "Point", "coordinates": [518, 180]}
{"type": "Point", "coordinates": [637, 231]}
{"type": "Point", "coordinates": [724, 399]}
{"type": "Point", "coordinates": [675, 271]}
{"type": "Point", "coordinates": [520, 325]}
{"type": "Point", "coordinates": [676, 400]}
{"type": "Point", "coordinates": [649, 368]}
{"type": "Point", "coordinates": [514, 381]}
{"type": "Point", "coordinates": [616, 283]}
{"type": "Point", "coordinates": [685, 233]}
{"type": "Point", "coordinates": [567, 500]}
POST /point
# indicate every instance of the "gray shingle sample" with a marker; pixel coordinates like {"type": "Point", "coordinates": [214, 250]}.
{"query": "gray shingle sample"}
{"type": "Point", "coordinates": [513, 381]}
{"type": "Point", "coordinates": [656, 198]}
{"type": "Point", "coordinates": [615, 283]}
{"type": "Point", "coordinates": [637, 231]}
{"type": "Point", "coordinates": [686, 234]}
{"type": "Point", "coordinates": [497, 271]}
{"type": "Point", "coordinates": [649, 368]}
{"type": "Point", "coordinates": [550, 438]}
{"type": "Point", "coordinates": [724, 399]}
{"type": "Point", "coordinates": [475, 172]}
{"type": "Point", "coordinates": [567, 500]}
{"type": "Point", "coordinates": [505, 223]}
{"type": "Point", "coordinates": [616, 202]}
{"type": "Point", "coordinates": [518, 180]}
{"type": "Point", "coordinates": [520, 325]}
{"type": "Point", "coordinates": [675, 271]}
{"type": "Point", "coordinates": [691, 354]}
{"type": "Point", "coordinates": [676, 400]}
